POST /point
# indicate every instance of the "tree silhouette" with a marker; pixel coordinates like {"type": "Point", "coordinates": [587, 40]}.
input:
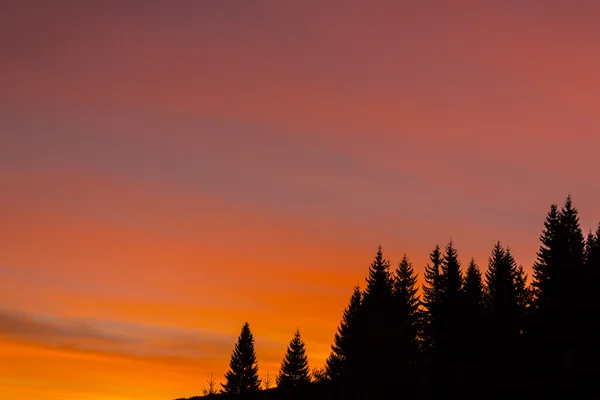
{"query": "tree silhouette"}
{"type": "Point", "coordinates": [448, 353]}
{"type": "Point", "coordinates": [268, 381]}
{"type": "Point", "coordinates": [474, 327]}
{"type": "Point", "coordinates": [211, 390]}
{"type": "Point", "coordinates": [506, 303]}
{"type": "Point", "coordinates": [431, 302]}
{"type": "Point", "coordinates": [242, 376]}
{"type": "Point", "coordinates": [343, 351]}
{"type": "Point", "coordinates": [376, 331]}
{"type": "Point", "coordinates": [473, 292]}
{"type": "Point", "coordinates": [592, 250]}
{"type": "Point", "coordinates": [319, 375]}
{"type": "Point", "coordinates": [474, 333]}
{"type": "Point", "coordinates": [505, 294]}
{"type": "Point", "coordinates": [294, 368]}
{"type": "Point", "coordinates": [407, 319]}
{"type": "Point", "coordinates": [557, 316]}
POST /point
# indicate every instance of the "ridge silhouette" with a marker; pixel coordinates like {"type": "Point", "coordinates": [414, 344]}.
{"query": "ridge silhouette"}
{"type": "Point", "coordinates": [471, 334]}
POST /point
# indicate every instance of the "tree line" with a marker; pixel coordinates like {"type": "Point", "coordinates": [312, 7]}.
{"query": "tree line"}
{"type": "Point", "coordinates": [468, 333]}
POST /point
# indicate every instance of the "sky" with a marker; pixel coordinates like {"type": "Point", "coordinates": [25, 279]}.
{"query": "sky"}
{"type": "Point", "coordinates": [171, 170]}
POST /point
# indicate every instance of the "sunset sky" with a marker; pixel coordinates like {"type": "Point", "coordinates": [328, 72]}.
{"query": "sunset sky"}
{"type": "Point", "coordinates": [172, 169]}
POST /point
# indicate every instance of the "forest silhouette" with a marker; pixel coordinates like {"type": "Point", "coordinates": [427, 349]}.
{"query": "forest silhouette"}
{"type": "Point", "coordinates": [466, 334]}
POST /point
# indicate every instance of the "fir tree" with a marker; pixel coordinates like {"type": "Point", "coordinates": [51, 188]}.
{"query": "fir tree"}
{"type": "Point", "coordinates": [474, 328]}
{"type": "Point", "coordinates": [407, 300]}
{"type": "Point", "coordinates": [473, 291]}
{"type": "Point", "coordinates": [242, 376]}
{"type": "Point", "coordinates": [377, 321]}
{"type": "Point", "coordinates": [210, 390]}
{"type": "Point", "coordinates": [294, 368]}
{"type": "Point", "coordinates": [340, 362]}
{"type": "Point", "coordinates": [558, 318]}
{"type": "Point", "coordinates": [406, 311]}
{"type": "Point", "coordinates": [431, 301]}
{"type": "Point", "coordinates": [544, 266]}
{"type": "Point", "coordinates": [590, 304]}
{"type": "Point", "coordinates": [506, 299]}
{"type": "Point", "coordinates": [450, 278]}
{"type": "Point", "coordinates": [450, 335]}
{"type": "Point", "coordinates": [379, 283]}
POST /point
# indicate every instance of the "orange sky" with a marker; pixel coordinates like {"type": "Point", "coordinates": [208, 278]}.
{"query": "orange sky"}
{"type": "Point", "coordinates": [170, 171]}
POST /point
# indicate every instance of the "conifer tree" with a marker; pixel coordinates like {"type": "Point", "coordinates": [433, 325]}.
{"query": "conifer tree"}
{"type": "Point", "coordinates": [544, 266]}
{"type": "Point", "coordinates": [377, 320]}
{"type": "Point", "coordinates": [340, 362]}
{"type": "Point", "coordinates": [590, 303]}
{"type": "Point", "coordinates": [431, 302]}
{"type": "Point", "coordinates": [242, 376]}
{"type": "Point", "coordinates": [474, 327]}
{"type": "Point", "coordinates": [294, 368]}
{"type": "Point", "coordinates": [450, 278]}
{"type": "Point", "coordinates": [407, 300]}
{"type": "Point", "coordinates": [473, 291]}
{"type": "Point", "coordinates": [379, 283]}
{"type": "Point", "coordinates": [451, 324]}
{"type": "Point", "coordinates": [592, 248]}
{"type": "Point", "coordinates": [506, 296]}
{"type": "Point", "coordinates": [558, 318]}
{"type": "Point", "coordinates": [407, 319]}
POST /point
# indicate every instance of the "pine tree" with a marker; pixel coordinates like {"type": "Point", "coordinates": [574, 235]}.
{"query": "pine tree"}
{"type": "Point", "coordinates": [506, 294]}
{"type": "Point", "coordinates": [379, 283]}
{"type": "Point", "coordinates": [242, 376]}
{"type": "Point", "coordinates": [544, 266]}
{"type": "Point", "coordinates": [558, 318]}
{"type": "Point", "coordinates": [342, 360]}
{"type": "Point", "coordinates": [590, 304]}
{"type": "Point", "coordinates": [210, 390]}
{"type": "Point", "coordinates": [431, 302]}
{"type": "Point", "coordinates": [407, 319]}
{"type": "Point", "coordinates": [406, 298]}
{"type": "Point", "coordinates": [474, 327]}
{"type": "Point", "coordinates": [450, 278]}
{"type": "Point", "coordinates": [451, 328]}
{"type": "Point", "coordinates": [294, 368]}
{"type": "Point", "coordinates": [473, 291]}
{"type": "Point", "coordinates": [375, 364]}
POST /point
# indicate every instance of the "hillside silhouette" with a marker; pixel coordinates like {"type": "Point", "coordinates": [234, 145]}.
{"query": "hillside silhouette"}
{"type": "Point", "coordinates": [471, 333]}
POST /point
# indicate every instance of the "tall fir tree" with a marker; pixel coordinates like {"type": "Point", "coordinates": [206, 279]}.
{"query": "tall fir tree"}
{"type": "Point", "coordinates": [242, 376]}
{"type": "Point", "coordinates": [590, 303]}
{"type": "Point", "coordinates": [557, 315]}
{"type": "Point", "coordinates": [451, 325]}
{"type": "Point", "coordinates": [544, 266]}
{"type": "Point", "coordinates": [379, 283]}
{"type": "Point", "coordinates": [407, 319]}
{"type": "Point", "coordinates": [376, 361]}
{"type": "Point", "coordinates": [506, 304]}
{"type": "Point", "coordinates": [506, 293]}
{"type": "Point", "coordinates": [474, 328]}
{"type": "Point", "coordinates": [473, 291]}
{"type": "Point", "coordinates": [431, 302]}
{"type": "Point", "coordinates": [342, 361]}
{"type": "Point", "coordinates": [294, 370]}
{"type": "Point", "coordinates": [406, 300]}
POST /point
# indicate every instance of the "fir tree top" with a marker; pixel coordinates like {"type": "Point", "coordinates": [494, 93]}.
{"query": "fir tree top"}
{"type": "Point", "coordinates": [473, 286]}
{"type": "Point", "coordinates": [451, 276]}
{"type": "Point", "coordinates": [405, 281]}
{"type": "Point", "coordinates": [294, 368]}
{"type": "Point", "coordinates": [242, 376]}
{"type": "Point", "coordinates": [378, 282]}
{"type": "Point", "coordinates": [343, 348]}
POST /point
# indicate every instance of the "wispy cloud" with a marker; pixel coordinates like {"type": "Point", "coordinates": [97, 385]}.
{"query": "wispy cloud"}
{"type": "Point", "coordinates": [113, 336]}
